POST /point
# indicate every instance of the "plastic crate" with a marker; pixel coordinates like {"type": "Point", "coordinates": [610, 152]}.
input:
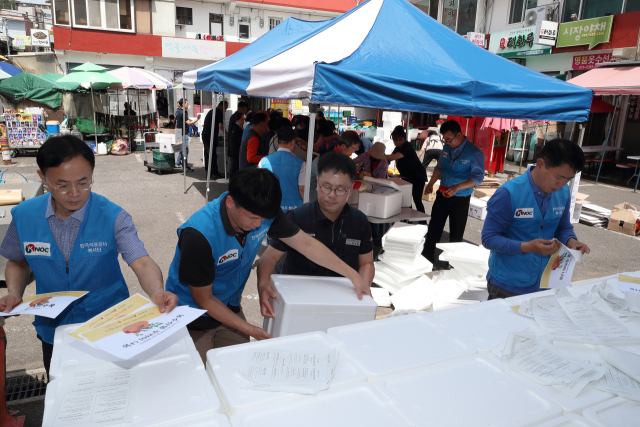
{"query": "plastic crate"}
{"type": "Point", "coordinates": [163, 160]}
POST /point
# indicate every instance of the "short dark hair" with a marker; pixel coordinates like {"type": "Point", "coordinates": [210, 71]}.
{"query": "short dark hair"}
{"type": "Point", "coordinates": [284, 122]}
{"type": "Point", "coordinates": [223, 103]}
{"type": "Point", "coordinates": [258, 118]}
{"type": "Point", "coordinates": [180, 102]}
{"type": "Point", "coordinates": [450, 126]}
{"type": "Point", "coordinates": [249, 116]}
{"type": "Point", "coordinates": [326, 128]}
{"type": "Point", "coordinates": [61, 149]}
{"type": "Point", "coordinates": [337, 162]}
{"type": "Point", "coordinates": [242, 104]}
{"type": "Point", "coordinates": [399, 132]}
{"type": "Point", "coordinates": [349, 138]}
{"type": "Point", "coordinates": [273, 125]}
{"type": "Point", "coordinates": [559, 152]}
{"type": "Point", "coordinates": [256, 190]}
{"type": "Point", "coordinates": [172, 117]}
{"type": "Point", "coordinates": [320, 113]}
{"type": "Point", "coordinates": [431, 133]}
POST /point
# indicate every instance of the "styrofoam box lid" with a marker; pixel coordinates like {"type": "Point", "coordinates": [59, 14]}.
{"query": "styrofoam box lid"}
{"type": "Point", "coordinates": [419, 265]}
{"type": "Point", "coordinates": [477, 202]}
{"type": "Point", "coordinates": [485, 325]}
{"type": "Point", "coordinates": [224, 365]}
{"type": "Point", "coordinates": [585, 399]}
{"type": "Point", "coordinates": [68, 351]}
{"type": "Point", "coordinates": [617, 412]}
{"type": "Point", "coordinates": [382, 182]}
{"type": "Point", "coordinates": [395, 274]}
{"type": "Point", "coordinates": [326, 294]}
{"type": "Point", "coordinates": [168, 391]}
{"type": "Point", "coordinates": [568, 420]}
{"type": "Point", "coordinates": [456, 246]}
{"type": "Point", "coordinates": [218, 420]}
{"type": "Point", "coordinates": [355, 405]}
{"type": "Point", "coordinates": [469, 391]}
{"type": "Point", "coordinates": [479, 255]}
{"type": "Point", "coordinates": [393, 345]}
{"type": "Point", "coordinates": [403, 232]}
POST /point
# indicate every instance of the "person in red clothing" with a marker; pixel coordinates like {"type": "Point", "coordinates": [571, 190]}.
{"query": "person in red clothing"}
{"type": "Point", "coordinates": [327, 138]}
{"type": "Point", "coordinates": [249, 157]}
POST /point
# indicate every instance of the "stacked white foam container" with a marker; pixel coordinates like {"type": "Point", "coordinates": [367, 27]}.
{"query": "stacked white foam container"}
{"type": "Point", "coordinates": [401, 263]}
{"type": "Point", "coordinates": [390, 120]}
{"type": "Point", "coordinates": [171, 384]}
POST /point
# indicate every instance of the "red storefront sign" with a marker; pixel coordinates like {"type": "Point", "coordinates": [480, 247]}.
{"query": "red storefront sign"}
{"type": "Point", "coordinates": [587, 62]}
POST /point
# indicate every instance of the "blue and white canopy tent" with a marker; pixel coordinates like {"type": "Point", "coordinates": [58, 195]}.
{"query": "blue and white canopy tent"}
{"type": "Point", "coordinates": [388, 54]}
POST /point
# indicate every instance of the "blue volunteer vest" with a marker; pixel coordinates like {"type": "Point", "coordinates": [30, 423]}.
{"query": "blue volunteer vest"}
{"type": "Point", "coordinates": [233, 262]}
{"type": "Point", "coordinates": [286, 167]}
{"type": "Point", "coordinates": [523, 271]}
{"type": "Point", "coordinates": [93, 265]}
{"type": "Point", "coordinates": [460, 171]}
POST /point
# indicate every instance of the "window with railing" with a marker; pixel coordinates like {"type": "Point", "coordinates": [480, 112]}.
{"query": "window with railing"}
{"type": "Point", "coordinates": [114, 15]}
{"type": "Point", "coordinates": [586, 9]}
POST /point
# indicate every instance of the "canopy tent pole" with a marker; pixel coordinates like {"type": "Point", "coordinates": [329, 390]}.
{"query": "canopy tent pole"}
{"type": "Point", "coordinates": [339, 121]}
{"type": "Point", "coordinates": [313, 109]}
{"type": "Point", "coordinates": [407, 126]}
{"type": "Point", "coordinates": [604, 150]}
{"type": "Point", "coordinates": [95, 131]}
{"type": "Point", "coordinates": [524, 141]}
{"type": "Point", "coordinates": [184, 137]}
{"type": "Point", "coordinates": [214, 97]}
{"type": "Point", "coordinates": [224, 180]}
{"type": "Point", "coordinates": [493, 141]}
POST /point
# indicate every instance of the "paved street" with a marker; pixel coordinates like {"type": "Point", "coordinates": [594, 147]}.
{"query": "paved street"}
{"type": "Point", "coordinates": [158, 206]}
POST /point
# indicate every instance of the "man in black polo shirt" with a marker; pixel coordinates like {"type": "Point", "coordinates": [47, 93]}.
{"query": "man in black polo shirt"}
{"type": "Point", "coordinates": [341, 228]}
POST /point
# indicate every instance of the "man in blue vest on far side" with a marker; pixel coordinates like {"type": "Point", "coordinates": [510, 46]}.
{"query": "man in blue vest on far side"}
{"type": "Point", "coordinates": [288, 168]}
{"type": "Point", "coordinates": [525, 215]}
{"type": "Point", "coordinates": [81, 234]}
{"type": "Point", "coordinates": [460, 168]}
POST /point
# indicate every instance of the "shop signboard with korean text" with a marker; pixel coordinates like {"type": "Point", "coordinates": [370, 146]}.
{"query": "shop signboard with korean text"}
{"type": "Point", "coordinates": [589, 31]}
{"type": "Point", "coordinates": [40, 37]}
{"type": "Point", "coordinates": [450, 14]}
{"type": "Point", "coordinates": [588, 62]}
{"type": "Point", "coordinates": [518, 42]}
{"type": "Point", "coordinates": [546, 33]}
{"type": "Point", "coordinates": [21, 41]}
{"type": "Point", "coordinates": [476, 38]}
{"type": "Point", "coordinates": [208, 50]}
{"type": "Point", "coordinates": [282, 105]}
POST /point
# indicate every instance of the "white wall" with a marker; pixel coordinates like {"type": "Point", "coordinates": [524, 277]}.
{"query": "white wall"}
{"type": "Point", "coordinates": [163, 17]}
{"type": "Point", "coordinates": [498, 15]}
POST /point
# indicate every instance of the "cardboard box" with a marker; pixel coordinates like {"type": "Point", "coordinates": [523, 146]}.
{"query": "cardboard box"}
{"type": "Point", "coordinates": [478, 209]}
{"type": "Point", "coordinates": [479, 193]}
{"type": "Point", "coordinates": [381, 205]}
{"type": "Point", "coordinates": [406, 188]}
{"type": "Point", "coordinates": [430, 197]}
{"type": "Point", "coordinates": [623, 219]}
{"type": "Point", "coordinates": [10, 197]}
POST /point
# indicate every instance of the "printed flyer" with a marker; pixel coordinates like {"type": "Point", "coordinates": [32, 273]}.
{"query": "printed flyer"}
{"type": "Point", "coordinates": [560, 268]}
{"type": "Point", "coordinates": [47, 305]}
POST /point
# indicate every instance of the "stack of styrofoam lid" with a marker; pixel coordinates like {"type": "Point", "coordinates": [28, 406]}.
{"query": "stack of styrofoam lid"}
{"type": "Point", "coordinates": [388, 279]}
{"type": "Point", "coordinates": [568, 420]}
{"type": "Point", "coordinates": [218, 420]}
{"type": "Point", "coordinates": [355, 405]}
{"type": "Point", "coordinates": [418, 296]}
{"type": "Point", "coordinates": [485, 325]}
{"type": "Point", "coordinates": [411, 267]}
{"type": "Point", "coordinates": [68, 351]}
{"type": "Point", "coordinates": [165, 391]}
{"type": "Point", "coordinates": [469, 261]}
{"type": "Point", "coordinates": [585, 399]}
{"type": "Point", "coordinates": [468, 391]}
{"type": "Point", "coordinates": [392, 275]}
{"type": "Point", "coordinates": [404, 241]}
{"type": "Point", "coordinates": [393, 345]}
{"type": "Point", "coordinates": [617, 412]}
{"type": "Point", "coordinates": [225, 364]}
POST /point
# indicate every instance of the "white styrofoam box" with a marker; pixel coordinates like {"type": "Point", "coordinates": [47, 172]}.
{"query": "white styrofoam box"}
{"type": "Point", "coordinates": [486, 324]}
{"type": "Point", "coordinates": [448, 290]}
{"type": "Point", "coordinates": [393, 255]}
{"type": "Point", "coordinates": [417, 266]}
{"type": "Point", "coordinates": [208, 421]}
{"type": "Point", "coordinates": [469, 391]}
{"type": "Point", "coordinates": [402, 232]}
{"type": "Point", "coordinates": [586, 398]}
{"type": "Point", "coordinates": [446, 305]}
{"type": "Point", "coordinates": [477, 209]}
{"type": "Point", "coordinates": [385, 281]}
{"type": "Point", "coordinates": [380, 133]}
{"type": "Point", "coordinates": [406, 188]}
{"type": "Point", "coordinates": [381, 205]}
{"type": "Point", "coordinates": [618, 412]}
{"type": "Point", "coordinates": [224, 365]}
{"type": "Point", "coordinates": [355, 405]}
{"type": "Point", "coordinates": [166, 391]}
{"type": "Point", "coordinates": [308, 304]}
{"type": "Point", "coordinates": [418, 296]}
{"type": "Point", "coordinates": [465, 252]}
{"type": "Point", "coordinates": [68, 351]}
{"type": "Point", "coordinates": [568, 420]}
{"type": "Point", "coordinates": [406, 250]}
{"type": "Point", "coordinates": [393, 345]}
{"type": "Point", "coordinates": [381, 297]}
{"type": "Point", "coordinates": [393, 116]}
{"type": "Point", "coordinates": [395, 274]}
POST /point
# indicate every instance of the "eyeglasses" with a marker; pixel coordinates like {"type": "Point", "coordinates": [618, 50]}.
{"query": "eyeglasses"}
{"type": "Point", "coordinates": [65, 188]}
{"type": "Point", "coordinates": [448, 140]}
{"type": "Point", "coordinates": [326, 189]}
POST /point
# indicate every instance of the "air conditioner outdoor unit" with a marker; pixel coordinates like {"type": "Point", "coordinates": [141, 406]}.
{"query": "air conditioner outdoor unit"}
{"type": "Point", "coordinates": [531, 16]}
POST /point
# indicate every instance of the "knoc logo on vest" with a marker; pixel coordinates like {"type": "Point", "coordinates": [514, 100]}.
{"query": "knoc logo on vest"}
{"type": "Point", "coordinates": [37, 248]}
{"type": "Point", "coordinates": [229, 256]}
{"type": "Point", "coordinates": [524, 213]}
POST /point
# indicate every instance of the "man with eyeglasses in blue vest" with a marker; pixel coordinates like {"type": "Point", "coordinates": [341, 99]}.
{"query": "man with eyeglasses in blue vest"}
{"type": "Point", "coordinates": [82, 234]}
{"type": "Point", "coordinates": [527, 219]}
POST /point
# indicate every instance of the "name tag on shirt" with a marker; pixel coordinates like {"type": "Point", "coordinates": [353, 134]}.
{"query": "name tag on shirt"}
{"type": "Point", "coordinates": [352, 242]}
{"type": "Point", "coordinates": [464, 162]}
{"type": "Point", "coordinates": [558, 211]}
{"type": "Point", "coordinates": [525, 213]}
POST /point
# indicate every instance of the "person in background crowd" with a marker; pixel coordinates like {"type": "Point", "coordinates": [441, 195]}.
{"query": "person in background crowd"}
{"type": "Point", "coordinates": [235, 141]}
{"type": "Point", "coordinates": [302, 127]}
{"type": "Point", "coordinates": [409, 165]}
{"type": "Point", "coordinates": [431, 148]}
{"type": "Point", "coordinates": [171, 124]}
{"type": "Point", "coordinates": [460, 168]}
{"type": "Point", "coordinates": [249, 125]}
{"type": "Point", "coordinates": [266, 138]}
{"type": "Point", "coordinates": [84, 233]}
{"type": "Point", "coordinates": [320, 116]}
{"type": "Point", "coordinates": [365, 144]}
{"type": "Point", "coordinates": [217, 247]}
{"type": "Point", "coordinates": [206, 137]}
{"type": "Point", "coordinates": [374, 162]}
{"type": "Point", "coordinates": [320, 219]}
{"type": "Point", "coordinates": [128, 111]}
{"type": "Point", "coordinates": [249, 157]}
{"type": "Point", "coordinates": [525, 215]}
{"type": "Point", "coordinates": [185, 136]}
{"type": "Point", "coordinates": [241, 111]}
{"type": "Point", "coordinates": [299, 148]}
{"type": "Point", "coordinates": [288, 168]}
{"type": "Point", "coordinates": [327, 138]}
{"type": "Point", "coordinates": [347, 144]}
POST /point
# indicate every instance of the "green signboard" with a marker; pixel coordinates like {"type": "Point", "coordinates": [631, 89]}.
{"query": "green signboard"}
{"type": "Point", "coordinates": [516, 43]}
{"type": "Point", "coordinates": [589, 31]}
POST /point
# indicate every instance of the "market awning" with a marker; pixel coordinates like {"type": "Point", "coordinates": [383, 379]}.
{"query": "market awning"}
{"type": "Point", "coordinates": [599, 106]}
{"type": "Point", "coordinates": [612, 79]}
{"type": "Point", "coordinates": [388, 54]}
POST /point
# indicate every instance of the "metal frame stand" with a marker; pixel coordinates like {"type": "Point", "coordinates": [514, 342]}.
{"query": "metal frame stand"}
{"type": "Point", "coordinates": [606, 143]}
{"type": "Point", "coordinates": [313, 108]}
{"type": "Point", "coordinates": [224, 180]}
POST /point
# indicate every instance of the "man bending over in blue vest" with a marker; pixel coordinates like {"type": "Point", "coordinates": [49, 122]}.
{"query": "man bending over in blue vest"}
{"type": "Point", "coordinates": [216, 250]}
{"type": "Point", "coordinates": [83, 233]}
{"type": "Point", "coordinates": [525, 215]}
